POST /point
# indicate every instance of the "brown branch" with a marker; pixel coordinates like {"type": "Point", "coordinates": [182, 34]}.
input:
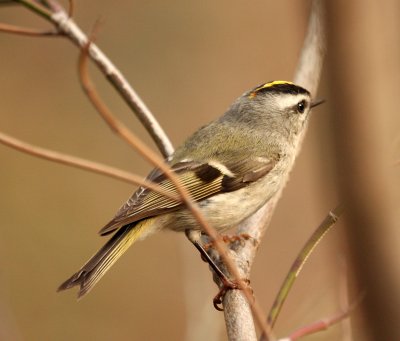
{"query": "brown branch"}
{"type": "Point", "coordinates": [325, 323]}
{"type": "Point", "coordinates": [121, 130]}
{"type": "Point", "coordinates": [66, 25]}
{"type": "Point", "coordinates": [331, 218]}
{"type": "Point", "coordinates": [36, 7]}
{"type": "Point", "coordinates": [70, 29]}
{"type": "Point", "coordinates": [76, 162]}
{"type": "Point", "coordinates": [234, 316]}
{"type": "Point", "coordinates": [321, 325]}
{"type": "Point", "coordinates": [71, 8]}
{"type": "Point", "coordinates": [26, 31]}
{"type": "Point", "coordinates": [307, 74]}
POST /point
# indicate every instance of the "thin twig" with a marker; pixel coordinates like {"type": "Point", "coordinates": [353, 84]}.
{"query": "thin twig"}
{"type": "Point", "coordinates": [37, 8]}
{"type": "Point", "coordinates": [71, 30]}
{"type": "Point", "coordinates": [322, 324]}
{"type": "Point", "coordinates": [71, 8]}
{"type": "Point", "coordinates": [64, 23]}
{"type": "Point", "coordinates": [77, 162]}
{"type": "Point", "coordinates": [45, 3]}
{"type": "Point", "coordinates": [299, 262]}
{"type": "Point", "coordinates": [307, 74]}
{"type": "Point", "coordinates": [25, 31]}
{"type": "Point", "coordinates": [119, 128]}
{"type": "Point", "coordinates": [67, 26]}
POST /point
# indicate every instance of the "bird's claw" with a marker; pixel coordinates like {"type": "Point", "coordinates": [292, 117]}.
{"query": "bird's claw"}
{"type": "Point", "coordinates": [226, 286]}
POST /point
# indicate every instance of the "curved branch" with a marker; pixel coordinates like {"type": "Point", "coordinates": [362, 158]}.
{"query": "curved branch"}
{"type": "Point", "coordinates": [307, 74]}
{"type": "Point", "coordinates": [322, 324]}
{"type": "Point", "coordinates": [67, 26]}
{"type": "Point", "coordinates": [84, 164]}
{"type": "Point", "coordinates": [238, 313]}
{"type": "Point", "coordinates": [71, 30]}
{"type": "Point", "coordinates": [71, 8]}
{"type": "Point", "coordinates": [299, 262]}
{"type": "Point", "coordinates": [120, 129]}
{"type": "Point", "coordinates": [37, 8]}
{"type": "Point", "coordinates": [26, 31]}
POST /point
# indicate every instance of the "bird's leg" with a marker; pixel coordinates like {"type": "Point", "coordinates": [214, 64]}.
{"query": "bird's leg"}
{"type": "Point", "coordinates": [205, 256]}
{"type": "Point", "coordinates": [227, 284]}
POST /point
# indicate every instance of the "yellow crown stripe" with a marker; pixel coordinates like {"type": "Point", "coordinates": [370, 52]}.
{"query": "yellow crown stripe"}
{"type": "Point", "coordinates": [271, 84]}
{"type": "Point", "coordinates": [267, 85]}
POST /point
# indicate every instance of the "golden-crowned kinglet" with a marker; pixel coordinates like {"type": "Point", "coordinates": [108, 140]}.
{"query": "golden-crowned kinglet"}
{"type": "Point", "coordinates": [231, 167]}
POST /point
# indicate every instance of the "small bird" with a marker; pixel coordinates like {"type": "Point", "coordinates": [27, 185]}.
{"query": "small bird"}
{"type": "Point", "coordinates": [231, 167]}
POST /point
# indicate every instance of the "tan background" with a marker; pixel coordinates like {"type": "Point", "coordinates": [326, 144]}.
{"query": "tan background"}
{"type": "Point", "coordinates": [188, 60]}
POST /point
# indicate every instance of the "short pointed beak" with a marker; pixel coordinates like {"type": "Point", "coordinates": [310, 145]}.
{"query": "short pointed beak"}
{"type": "Point", "coordinates": [317, 102]}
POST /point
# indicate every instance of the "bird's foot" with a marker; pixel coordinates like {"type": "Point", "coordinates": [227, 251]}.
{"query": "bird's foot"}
{"type": "Point", "coordinates": [224, 288]}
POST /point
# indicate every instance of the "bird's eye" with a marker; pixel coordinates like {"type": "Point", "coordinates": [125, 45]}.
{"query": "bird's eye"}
{"type": "Point", "coordinates": [301, 106]}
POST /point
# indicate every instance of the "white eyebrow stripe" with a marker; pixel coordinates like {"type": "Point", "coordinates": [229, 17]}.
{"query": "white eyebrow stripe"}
{"type": "Point", "coordinates": [290, 100]}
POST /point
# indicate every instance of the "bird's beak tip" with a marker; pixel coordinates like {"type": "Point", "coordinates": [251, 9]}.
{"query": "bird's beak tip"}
{"type": "Point", "coordinates": [317, 102]}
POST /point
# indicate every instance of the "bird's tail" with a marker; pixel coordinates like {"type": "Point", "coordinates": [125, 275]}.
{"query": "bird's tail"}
{"type": "Point", "coordinates": [97, 266]}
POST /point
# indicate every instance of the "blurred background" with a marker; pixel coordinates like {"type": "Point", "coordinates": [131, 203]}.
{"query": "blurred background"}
{"type": "Point", "coordinates": [188, 60]}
